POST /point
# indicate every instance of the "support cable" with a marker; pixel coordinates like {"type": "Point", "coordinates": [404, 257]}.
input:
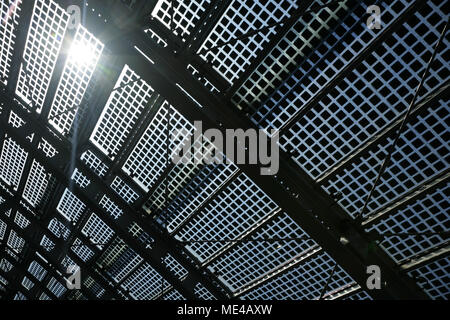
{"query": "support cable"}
{"type": "Point", "coordinates": [391, 148]}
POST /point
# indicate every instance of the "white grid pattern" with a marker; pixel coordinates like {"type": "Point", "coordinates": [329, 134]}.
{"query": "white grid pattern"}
{"type": "Point", "coordinates": [70, 206]}
{"type": "Point", "coordinates": [422, 151]}
{"type": "Point", "coordinates": [9, 21]}
{"type": "Point", "coordinates": [47, 148]}
{"type": "Point", "coordinates": [185, 14]}
{"type": "Point", "coordinates": [21, 221]}
{"type": "Point", "coordinates": [149, 157]}
{"type": "Point", "coordinates": [237, 209]}
{"type": "Point", "coordinates": [121, 113]}
{"type": "Point", "coordinates": [242, 17]}
{"type": "Point", "coordinates": [124, 190]}
{"type": "Point", "coordinates": [97, 231]}
{"type": "Point", "coordinates": [110, 207]}
{"type": "Point", "coordinates": [15, 242]}
{"type": "Point", "coordinates": [304, 281]}
{"type": "Point", "coordinates": [428, 214]}
{"type": "Point", "coordinates": [56, 287]}
{"type": "Point", "coordinates": [94, 163]}
{"type": "Point", "coordinates": [203, 293]}
{"type": "Point", "coordinates": [435, 278]}
{"type": "Point", "coordinates": [12, 161]}
{"type": "Point", "coordinates": [59, 229]}
{"type": "Point", "coordinates": [3, 227]}
{"type": "Point", "coordinates": [311, 76]}
{"type": "Point", "coordinates": [175, 267]}
{"type": "Point", "coordinates": [36, 184]}
{"type": "Point", "coordinates": [368, 99]}
{"type": "Point", "coordinates": [45, 36]}
{"type": "Point", "coordinates": [82, 250]}
{"type": "Point", "coordinates": [249, 260]}
{"type": "Point", "coordinates": [80, 179]}
{"type": "Point", "coordinates": [174, 295]}
{"type": "Point", "coordinates": [15, 121]}
{"type": "Point", "coordinates": [145, 283]}
{"type": "Point", "coordinates": [202, 186]}
{"type": "Point", "coordinates": [75, 79]}
{"type": "Point", "coordinates": [293, 47]}
{"type": "Point", "coordinates": [37, 270]}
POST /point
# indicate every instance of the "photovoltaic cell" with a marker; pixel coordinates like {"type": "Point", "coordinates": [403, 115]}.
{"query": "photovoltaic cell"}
{"type": "Point", "coordinates": [82, 59]}
{"type": "Point", "coordinates": [149, 157]}
{"type": "Point", "coordinates": [423, 151]}
{"type": "Point", "coordinates": [248, 261]}
{"type": "Point", "coordinates": [124, 106]}
{"type": "Point", "coordinates": [241, 206]}
{"type": "Point", "coordinates": [368, 99]}
{"type": "Point", "coordinates": [186, 14]}
{"type": "Point", "coordinates": [304, 281]}
{"type": "Point", "coordinates": [434, 278]}
{"type": "Point", "coordinates": [12, 162]}
{"type": "Point", "coordinates": [9, 20]}
{"type": "Point", "coordinates": [240, 18]}
{"type": "Point", "coordinates": [45, 35]}
{"type": "Point", "coordinates": [427, 214]}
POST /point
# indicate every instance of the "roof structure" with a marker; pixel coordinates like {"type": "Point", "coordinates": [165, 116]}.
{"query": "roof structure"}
{"type": "Point", "coordinates": [92, 92]}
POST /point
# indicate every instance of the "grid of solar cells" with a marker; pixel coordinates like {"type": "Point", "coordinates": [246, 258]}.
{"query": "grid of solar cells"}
{"type": "Point", "coordinates": [304, 281]}
{"type": "Point", "coordinates": [19, 296]}
{"type": "Point", "coordinates": [110, 207]}
{"type": "Point", "coordinates": [370, 97]}
{"type": "Point", "coordinates": [427, 214]}
{"type": "Point", "coordinates": [44, 297]}
{"type": "Point", "coordinates": [27, 283]}
{"type": "Point", "coordinates": [97, 231]}
{"type": "Point", "coordinates": [197, 192]}
{"type": "Point", "coordinates": [6, 265]}
{"type": "Point", "coordinates": [119, 260]}
{"type": "Point", "coordinates": [9, 20]}
{"type": "Point", "coordinates": [47, 244]}
{"type": "Point", "coordinates": [124, 190]}
{"type": "Point", "coordinates": [70, 206]}
{"type": "Point", "coordinates": [145, 283]}
{"type": "Point", "coordinates": [175, 267]}
{"type": "Point", "coordinates": [203, 293]}
{"type": "Point", "coordinates": [185, 14]}
{"type": "Point", "coordinates": [82, 250]}
{"type": "Point", "coordinates": [174, 295]}
{"type": "Point", "coordinates": [36, 184]}
{"type": "Point", "coordinates": [93, 162]}
{"type": "Point", "coordinates": [80, 179]}
{"type": "Point", "coordinates": [12, 162]}
{"type": "Point", "coordinates": [138, 232]}
{"type": "Point", "coordinates": [334, 53]}
{"type": "Point", "coordinates": [15, 121]}
{"type": "Point", "coordinates": [434, 278]}
{"type": "Point", "coordinates": [47, 148]}
{"type": "Point", "coordinates": [94, 287]}
{"type": "Point", "coordinates": [21, 221]}
{"type": "Point", "coordinates": [423, 151]}
{"type": "Point", "coordinates": [250, 260]}
{"type": "Point", "coordinates": [59, 229]}
{"type": "Point", "coordinates": [15, 242]}
{"type": "Point", "coordinates": [56, 287]}
{"type": "Point", "coordinates": [181, 174]}
{"type": "Point", "coordinates": [239, 18]}
{"type": "Point", "coordinates": [75, 79]}
{"type": "Point", "coordinates": [45, 36]}
{"type": "Point", "coordinates": [122, 110]}
{"type": "Point", "coordinates": [3, 227]}
{"type": "Point", "coordinates": [241, 206]}
{"type": "Point", "coordinates": [37, 270]}
{"type": "Point", "coordinates": [148, 159]}
{"type": "Point", "coordinates": [283, 59]}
